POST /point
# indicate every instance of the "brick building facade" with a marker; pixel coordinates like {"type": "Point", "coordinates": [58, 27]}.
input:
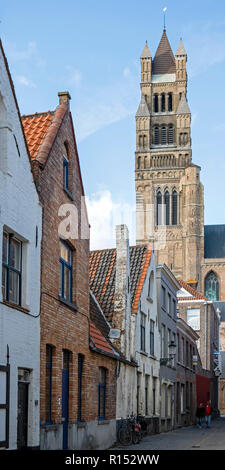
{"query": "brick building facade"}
{"type": "Point", "coordinates": [70, 373]}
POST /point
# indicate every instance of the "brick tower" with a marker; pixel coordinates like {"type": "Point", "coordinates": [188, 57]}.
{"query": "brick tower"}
{"type": "Point", "coordinates": [169, 193]}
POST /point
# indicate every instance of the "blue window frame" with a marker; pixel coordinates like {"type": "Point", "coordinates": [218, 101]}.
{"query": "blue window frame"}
{"type": "Point", "coordinates": [80, 383]}
{"type": "Point", "coordinates": [65, 173]}
{"type": "Point", "coordinates": [48, 384]}
{"type": "Point", "coordinates": [11, 268]}
{"type": "Point", "coordinates": [66, 271]}
{"type": "Point", "coordinates": [102, 394]}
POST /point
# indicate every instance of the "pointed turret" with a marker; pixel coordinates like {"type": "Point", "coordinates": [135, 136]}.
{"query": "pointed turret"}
{"type": "Point", "coordinates": [164, 61]}
{"type": "Point", "coordinates": [146, 54]}
{"type": "Point", "coordinates": [146, 64]}
{"type": "Point", "coordinates": [181, 50]}
{"type": "Point", "coordinates": [143, 110]}
{"type": "Point", "coordinates": [183, 107]}
{"type": "Point", "coordinates": [181, 60]}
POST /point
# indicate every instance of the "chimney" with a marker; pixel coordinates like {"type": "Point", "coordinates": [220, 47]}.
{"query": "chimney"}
{"type": "Point", "coordinates": [121, 314]}
{"type": "Point", "coordinates": [64, 97]}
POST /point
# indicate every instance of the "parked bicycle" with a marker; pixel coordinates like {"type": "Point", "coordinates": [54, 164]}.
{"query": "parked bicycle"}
{"type": "Point", "coordinates": [129, 431]}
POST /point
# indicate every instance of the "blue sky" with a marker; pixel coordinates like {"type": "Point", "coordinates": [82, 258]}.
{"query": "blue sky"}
{"type": "Point", "coordinates": [92, 49]}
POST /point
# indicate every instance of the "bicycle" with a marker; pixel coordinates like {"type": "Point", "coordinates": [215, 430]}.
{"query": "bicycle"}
{"type": "Point", "coordinates": [129, 431]}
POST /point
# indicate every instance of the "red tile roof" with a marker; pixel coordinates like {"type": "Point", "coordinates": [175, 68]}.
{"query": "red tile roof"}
{"type": "Point", "coordinates": [195, 295]}
{"type": "Point", "coordinates": [99, 341]}
{"type": "Point", "coordinates": [103, 274]}
{"type": "Point", "coordinates": [35, 128]}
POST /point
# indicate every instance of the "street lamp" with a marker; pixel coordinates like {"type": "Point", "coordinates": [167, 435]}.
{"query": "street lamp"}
{"type": "Point", "coordinates": [172, 353]}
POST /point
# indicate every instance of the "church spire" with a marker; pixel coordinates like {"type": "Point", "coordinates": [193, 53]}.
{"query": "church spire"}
{"type": "Point", "coordinates": [164, 61]}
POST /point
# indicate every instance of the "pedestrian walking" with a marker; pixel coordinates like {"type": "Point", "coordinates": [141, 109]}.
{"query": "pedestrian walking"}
{"type": "Point", "coordinates": [208, 413]}
{"type": "Point", "coordinates": [200, 413]}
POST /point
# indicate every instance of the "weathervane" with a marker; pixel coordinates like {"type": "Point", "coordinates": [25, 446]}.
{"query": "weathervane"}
{"type": "Point", "coordinates": [164, 11]}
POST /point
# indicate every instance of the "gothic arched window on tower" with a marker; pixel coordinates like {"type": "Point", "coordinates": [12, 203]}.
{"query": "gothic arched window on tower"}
{"type": "Point", "coordinates": [170, 101]}
{"type": "Point", "coordinates": [174, 207]}
{"type": "Point", "coordinates": [144, 141]}
{"type": "Point", "coordinates": [156, 135]}
{"type": "Point", "coordinates": [163, 102]}
{"type": "Point", "coordinates": [139, 163]}
{"type": "Point", "coordinates": [170, 135]}
{"type": "Point", "coordinates": [159, 208]}
{"type": "Point", "coordinates": [163, 136]}
{"type": "Point", "coordinates": [156, 103]}
{"type": "Point", "coordinates": [212, 286]}
{"type": "Point", "coordinates": [167, 207]}
{"type": "Point", "coordinates": [140, 140]}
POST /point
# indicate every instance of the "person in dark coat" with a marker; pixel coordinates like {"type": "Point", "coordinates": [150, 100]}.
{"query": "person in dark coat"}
{"type": "Point", "coordinates": [200, 413]}
{"type": "Point", "coordinates": [208, 413]}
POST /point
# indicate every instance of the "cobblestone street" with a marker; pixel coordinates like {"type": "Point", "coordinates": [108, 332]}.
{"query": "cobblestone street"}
{"type": "Point", "coordinates": [187, 438]}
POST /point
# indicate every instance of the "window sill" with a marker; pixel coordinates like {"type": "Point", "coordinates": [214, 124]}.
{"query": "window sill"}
{"type": "Point", "coordinates": [15, 306]}
{"type": "Point", "coordinates": [144, 353]}
{"type": "Point", "coordinates": [68, 304]}
{"type": "Point", "coordinates": [68, 193]}
{"type": "Point", "coordinates": [103, 421]}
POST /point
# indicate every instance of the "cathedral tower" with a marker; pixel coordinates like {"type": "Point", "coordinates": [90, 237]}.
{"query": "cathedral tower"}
{"type": "Point", "coordinates": [168, 188]}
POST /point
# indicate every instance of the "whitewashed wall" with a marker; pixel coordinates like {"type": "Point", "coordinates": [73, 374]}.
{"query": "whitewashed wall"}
{"type": "Point", "coordinates": [20, 211]}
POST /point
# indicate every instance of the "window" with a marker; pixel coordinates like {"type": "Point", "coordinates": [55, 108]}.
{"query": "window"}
{"type": "Point", "coordinates": [174, 208]}
{"type": "Point", "coordinates": [80, 377]}
{"type": "Point", "coordinates": [163, 401]}
{"type": "Point", "coordinates": [193, 318]}
{"type": "Point", "coordinates": [167, 204]}
{"type": "Point", "coordinates": [152, 347]}
{"type": "Point", "coordinates": [169, 304]}
{"type": "Point", "coordinates": [156, 103]}
{"type": "Point", "coordinates": [168, 342]}
{"type": "Point", "coordinates": [156, 135]}
{"type": "Point", "coordinates": [163, 341]}
{"type": "Point", "coordinates": [163, 136]}
{"type": "Point", "coordinates": [159, 208]}
{"type": "Point", "coordinates": [170, 101]}
{"type": "Point", "coordinates": [102, 393]}
{"type": "Point", "coordinates": [143, 320]}
{"type": "Point", "coordinates": [65, 173]}
{"type": "Point", "coordinates": [163, 102]}
{"type": "Point", "coordinates": [11, 268]}
{"type": "Point", "coordinates": [48, 384]}
{"type": "Point", "coordinates": [178, 347]}
{"type": "Point", "coordinates": [66, 265]}
{"type": "Point", "coordinates": [212, 286]}
{"type": "Point", "coordinates": [163, 297]}
{"type": "Point", "coordinates": [139, 163]}
{"type": "Point", "coordinates": [170, 135]}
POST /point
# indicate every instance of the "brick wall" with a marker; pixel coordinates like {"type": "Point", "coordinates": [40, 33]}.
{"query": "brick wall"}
{"type": "Point", "coordinates": [63, 326]}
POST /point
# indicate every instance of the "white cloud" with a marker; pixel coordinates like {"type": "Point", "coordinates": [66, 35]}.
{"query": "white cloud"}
{"type": "Point", "coordinates": [22, 80]}
{"type": "Point", "coordinates": [104, 215]}
{"type": "Point", "coordinates": [29, 53]}
{"type": "Point", "coordinates": [106, 105]}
